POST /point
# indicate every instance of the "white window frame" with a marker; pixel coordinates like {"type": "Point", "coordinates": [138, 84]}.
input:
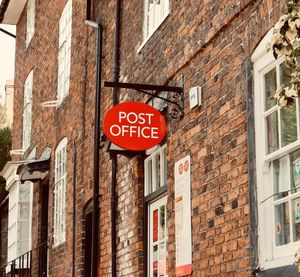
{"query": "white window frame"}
{"type": "Point", "coordinates": [162, 201]}
{"type": "Point", "coordinates": [60, 193]}
{"type": "Point", "coordinates": [64, 53]}
{"type": "Point", "coordinates": [270, 255]}
{"type": "Point", "coordinates": [18, 226]}
{"type": "Point", "coordinates": [27, 111]}
{"type": "Point", "coordinates": [152, 20]}
{"type": "Point", "coordinates": [30, 21]}
{"type": "Point", "coordinates": [151, 180]}
{"type": "Point", "coordinates": [155, 178]}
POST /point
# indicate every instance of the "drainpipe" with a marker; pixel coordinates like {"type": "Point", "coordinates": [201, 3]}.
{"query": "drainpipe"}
{"type": "Point", "coordinates": [74, 209]}
{"type": "Point", "coordinates": [96, 178]}
{"type": "Point", "coordinates": [116, 65]}
{"type": "Point", "coordinates": [114, 158]}
{"type": "Point", "coordinates": [251, 168]}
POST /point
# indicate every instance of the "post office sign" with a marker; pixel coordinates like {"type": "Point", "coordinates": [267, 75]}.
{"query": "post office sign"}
{"type": "Point", "coordinates": [134, 126]}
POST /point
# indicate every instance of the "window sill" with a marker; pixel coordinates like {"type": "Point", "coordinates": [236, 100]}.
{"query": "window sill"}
{"type": "Point", "coordinates": [58, 243]}
{"type": "Point", "coordinates": [290, 270]}
{"type": "Point", "coordinates": [151, 34]}
{"type": "Point", "coordinates": [283, 261]}
{"type": "Point", "coordinates": [154, 195]}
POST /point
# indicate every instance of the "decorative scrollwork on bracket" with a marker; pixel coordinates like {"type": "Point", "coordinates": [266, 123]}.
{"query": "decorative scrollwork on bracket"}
{"type": "Point", "coordinates": [176, 111]}
{"type": "Point", "coordinates": [174, 95]}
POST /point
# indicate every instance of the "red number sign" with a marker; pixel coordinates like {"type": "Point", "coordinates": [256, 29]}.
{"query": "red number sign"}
{"type": "Point", "coordinates": [134, 126]}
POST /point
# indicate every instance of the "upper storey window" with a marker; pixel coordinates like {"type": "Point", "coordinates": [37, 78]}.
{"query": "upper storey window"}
{"type": "Point", "coordinates": [60, 192]}
{"type": "Point", "coordinates": [156, 170]}
{"type": "Point", "coordinates": [155, 13]}
{"type": "Point", "coordinates": [27, 111]}
{"type": "Point", "coordinates": [64, 53]}
{"type": "Point", "coordinates": [30, 20]}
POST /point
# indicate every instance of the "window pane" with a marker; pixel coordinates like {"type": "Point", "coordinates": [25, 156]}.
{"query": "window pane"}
{"type": "Point", "coordinates": [282, 224]}
{"type": "Point", "coordinates": [270, 88]}
{"type": "Point", "coordinates": [158, 170]}
{"type": "Point", "coordinates": [24, 210]}
{"type": "Point", "coordinates": [162, 222]}
{"type": "Point", "coordinates": [295, 171]}
{"type": "Point", "coordinates": [158, 12]}
{"type": "Point", "coordinates": [296, 218]}
{"type": "Point", "coordinates": [60, 195]}
{"type": "Point", "coordinates": [165, 174]}
{"type": "Point", "coordinates": [281, 177]}
{"type": "Point", "coordinates": [288, 123]}
{"type": "Point", "coordinates": [30, 20]}
{"type": "Point", "coordinates": [162, 260]}
{"type": "Point", "coordinates": [24, 193]}
{"type": "Point", "coordinates": [149, 175]}
{"type": "Point", "coordinates": [272, 132]}
{"type": "Point", "coordinates": [155, 171]}
{"type": "Point", "coordinates": [155, 261]}
{"type": "Point", "coordinates": [23, 230]}
{"type": "Point", "coordinates": [151, 15]}
{"type": "Point", "coordinates": [64, 53]}
{"type": "Point", "coordinates": [285, 75]}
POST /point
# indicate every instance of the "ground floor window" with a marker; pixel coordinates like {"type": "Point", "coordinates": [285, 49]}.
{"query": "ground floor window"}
{"type": "Point", "coordinates": [277, 142]}
{"type": "Point", "coordinates": [286, 199]}
{"type": "Point", "coordinates": [158, 238]}
{"type": "Point", "coordinates": [19, 219]}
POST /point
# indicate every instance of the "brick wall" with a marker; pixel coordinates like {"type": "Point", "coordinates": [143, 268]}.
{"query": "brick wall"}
{"type": "Point", "coordinates": [50, 125]}
{"type": "Point", "coordinates": [210, 46]}
{"type": "Point", "coordinates": [209, 43]}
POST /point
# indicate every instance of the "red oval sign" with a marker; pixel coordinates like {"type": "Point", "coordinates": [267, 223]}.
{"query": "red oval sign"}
{"type": "Point", "coordinates": [134, 126]}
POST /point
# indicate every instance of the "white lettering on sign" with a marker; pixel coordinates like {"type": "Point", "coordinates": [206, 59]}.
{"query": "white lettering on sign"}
{"type": "Point", "coordinates": [145, 132]}
{"type": "Point", "coordinates": [133, 118]}
{"type": "Point", "coordinates": [132, 130]}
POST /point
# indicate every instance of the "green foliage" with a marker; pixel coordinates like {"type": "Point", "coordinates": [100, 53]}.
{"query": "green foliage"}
{"type": "Point", "coordinates": [2, 116]}
{"type": "Point", "coordinates": [5, 147]}
{"type": "Point", "coordinates": [3, 192]}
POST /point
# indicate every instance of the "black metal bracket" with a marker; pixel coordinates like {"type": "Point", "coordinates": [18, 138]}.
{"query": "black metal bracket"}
{"type": "Point", "coordinates": [175, 97]}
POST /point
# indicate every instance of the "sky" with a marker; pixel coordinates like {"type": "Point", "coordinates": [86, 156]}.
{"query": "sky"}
{"type": "Point", "coordinates": [7, 55]}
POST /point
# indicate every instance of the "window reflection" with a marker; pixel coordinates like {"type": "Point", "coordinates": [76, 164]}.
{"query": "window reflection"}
{"type": "Point", "coordinates": [272, 132]}
{"type": "Point", "coordinates": [288, 122]}
{"type": "Point", "coordinates": [270, 88]}
{"type": "Point", "coordinates": [282, 224]}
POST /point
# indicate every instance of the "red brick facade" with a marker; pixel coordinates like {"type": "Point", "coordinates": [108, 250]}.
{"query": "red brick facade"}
{"type": "Point", "coordinates": [209, 43]}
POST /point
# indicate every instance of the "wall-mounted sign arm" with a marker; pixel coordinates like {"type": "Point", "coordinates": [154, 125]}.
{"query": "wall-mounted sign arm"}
{"type": "Point", "coordinates": [143, 87]}
{"type": "Point", "coordinates": [176, 94]}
